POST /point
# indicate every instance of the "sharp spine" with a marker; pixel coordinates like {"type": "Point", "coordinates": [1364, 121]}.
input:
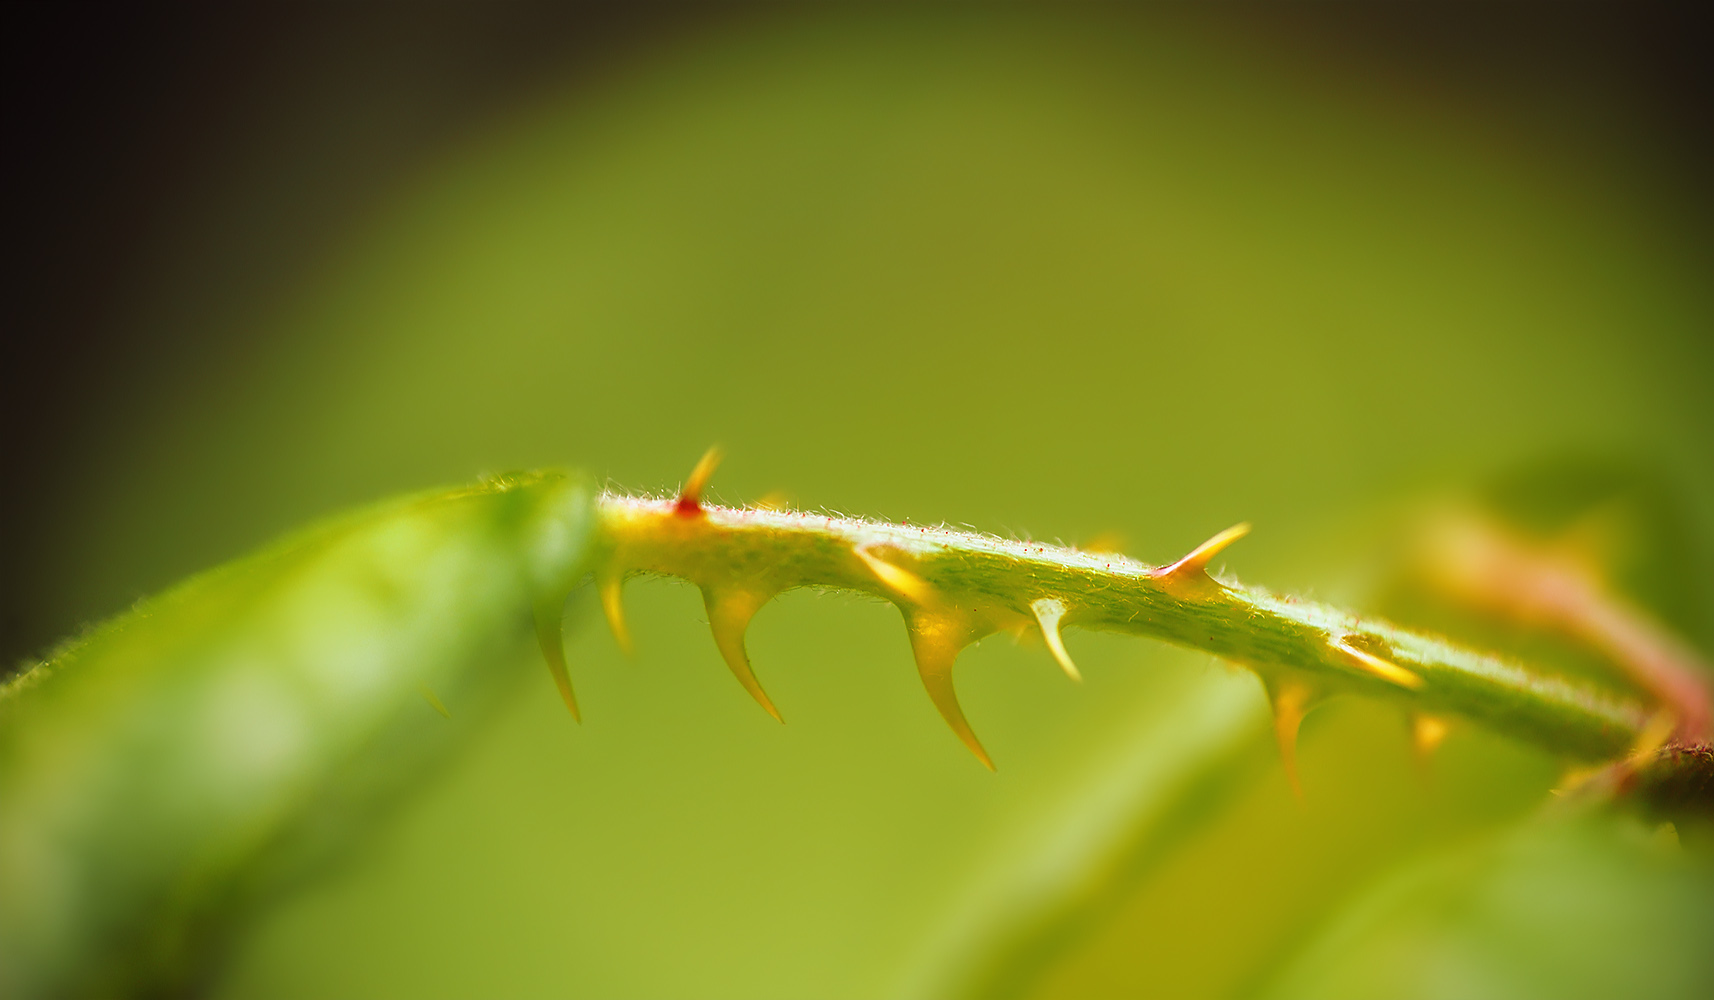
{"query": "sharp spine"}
{"type": "Point", "coordinates": [690, 497]}
{"type": "Point", "coordinates": [612, 587]}
{"type": "Point", "coordinates": [548, 614]}
{"type": "Point", "coordinates": [1370, 663]}
{"type": "Point", "coordinates": [1049, 611]}
{"type": "Point", "coordinates": [729, 614]}
{"type": "Point", "coordinates": [937, 637]}
{"type": "Point", "coordinates": [899, 580]}
{"type": "Point", "coordinates": [1291, 702]}
{"type": "Point", "coordinates": [1196, 560]}
{"type": "Point", "coordinates": [1189, 576]}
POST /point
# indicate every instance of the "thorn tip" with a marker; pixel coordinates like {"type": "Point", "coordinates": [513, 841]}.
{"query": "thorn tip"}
{"type": "Point", "coordinates": [1370, 663]}
{"type": "Point", "coordinates": [612, 587]}
{"type": "Point", "coordinates": [1048, 612]}
{"type": "Point", "coordinates": [690, 498]}
{"type": "Point", "coordinates": [729, 614]}
{"type": "Point", "coordinates": [1290, 702]}
{"type": "Point", "coordinates": [1192, 570]}
{"type": "Point", "coordinates": [936, 639]}
{"type": "Point", "coordinates": [547, 615]}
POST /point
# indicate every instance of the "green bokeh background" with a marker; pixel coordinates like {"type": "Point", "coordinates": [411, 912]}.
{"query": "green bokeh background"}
{"type": "Point", "coordinates": [1049, 275]}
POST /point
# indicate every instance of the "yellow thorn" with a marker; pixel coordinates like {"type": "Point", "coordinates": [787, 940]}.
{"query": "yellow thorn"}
{"type": "Point", "coordinates": [1427, 732]}
{"type": "Point", "coordinates": [900, 581]}
{"type": "Point", "coordinates": [1197, 560]}
{"type": "Point", "coordinates": [729, 614]}
{"type": "Point", "coordinates": [548, 614]}
{"type": "Point", "coordinates": [1384, 669]}
{"type": "Point", "coordinates": [1188, 578]}
{"type": "Point", "coordinates": [936, 639]}
{"type": "Point", "coordinates": [434, 703]}
{"type": "Point", "coordinates": [1291, 702]}
{"type": "Point", "coordinates": [1048, 613]}
{"type": "Point", "coordinates": [690, 498]}
{"type": "Point", "coordinates": [613, 608]}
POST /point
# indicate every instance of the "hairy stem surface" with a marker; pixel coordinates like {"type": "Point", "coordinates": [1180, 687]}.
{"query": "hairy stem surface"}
{"type": "Point", "coordinates": [955, 587]}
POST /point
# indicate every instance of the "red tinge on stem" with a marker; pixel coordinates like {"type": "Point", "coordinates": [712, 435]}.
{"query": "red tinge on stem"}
{"type": "Point", "coordinates": [690, 498]}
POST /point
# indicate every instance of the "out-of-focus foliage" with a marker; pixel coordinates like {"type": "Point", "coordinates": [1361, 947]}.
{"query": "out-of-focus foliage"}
{"type": "Point", "coordinates": [189, 758]}
{"type": "Point", "coordinates": [1048, 274]}
{"type": "Point", "coordinates": [1575, 908]}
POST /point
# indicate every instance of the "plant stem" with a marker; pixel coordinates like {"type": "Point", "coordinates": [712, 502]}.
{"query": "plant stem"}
{"type": "Point", "coordinates": [955, 587]}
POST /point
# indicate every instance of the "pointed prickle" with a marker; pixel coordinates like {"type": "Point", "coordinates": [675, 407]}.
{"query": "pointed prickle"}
{"type": "Point", "coordinates": [1291, 701]}
{"type": "Point", "coordinates": [1369, 663]}
{"type": "Point", "coordinates": [1048, 612]}
{"type": "Point", "coordinates": [612, 587]}
{"type": "Point", "coordinates": [1191, 572]}
{"type": "Point", "coordinates": [937, 637]}
{"type": "Point", "coordinates": [690, 498]}
{"type": "Point", "coordinates": [729, 614]}
{"type": "Point", "coordinates": [548, 613]}
{"type": "Point", "coordinates": [899, 580]}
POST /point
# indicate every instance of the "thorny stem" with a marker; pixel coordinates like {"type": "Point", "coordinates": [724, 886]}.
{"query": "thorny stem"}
{"type": "Point", "coordinates": [955, 587]}
{"type": "Point", "coordinates": [1490, 570]}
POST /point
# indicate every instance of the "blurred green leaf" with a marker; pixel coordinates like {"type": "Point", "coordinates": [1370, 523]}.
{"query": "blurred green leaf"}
{"type": "Point", "coordinates": [1591, 906]}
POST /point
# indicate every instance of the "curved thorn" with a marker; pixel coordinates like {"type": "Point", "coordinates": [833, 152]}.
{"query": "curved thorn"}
{"type": "Point", "coordinates": [1196, 560]}
{"type": "Point", "coordinates": [1370, 663]}
{"type": "Point", "coordinates": [547, 614]}
{"type": "Point", "coordinates": [690, 498]}
{"type": "Point", "coordinates": [1290, 703]}
{"type": "Point", "coordinates": [1048, 612]}
{"type": "Point", "coordinates": [936, 640]}
{"type": "Point", "coordinates": [612, 588]}
{"type": "Point", "coordinates": [729, 614]}
{"type": "Point", "coordinates": [900, 581]}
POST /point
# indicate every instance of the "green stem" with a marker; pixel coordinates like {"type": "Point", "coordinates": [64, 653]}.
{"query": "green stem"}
{"type": "Point", "coordinates": [955, 587]}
